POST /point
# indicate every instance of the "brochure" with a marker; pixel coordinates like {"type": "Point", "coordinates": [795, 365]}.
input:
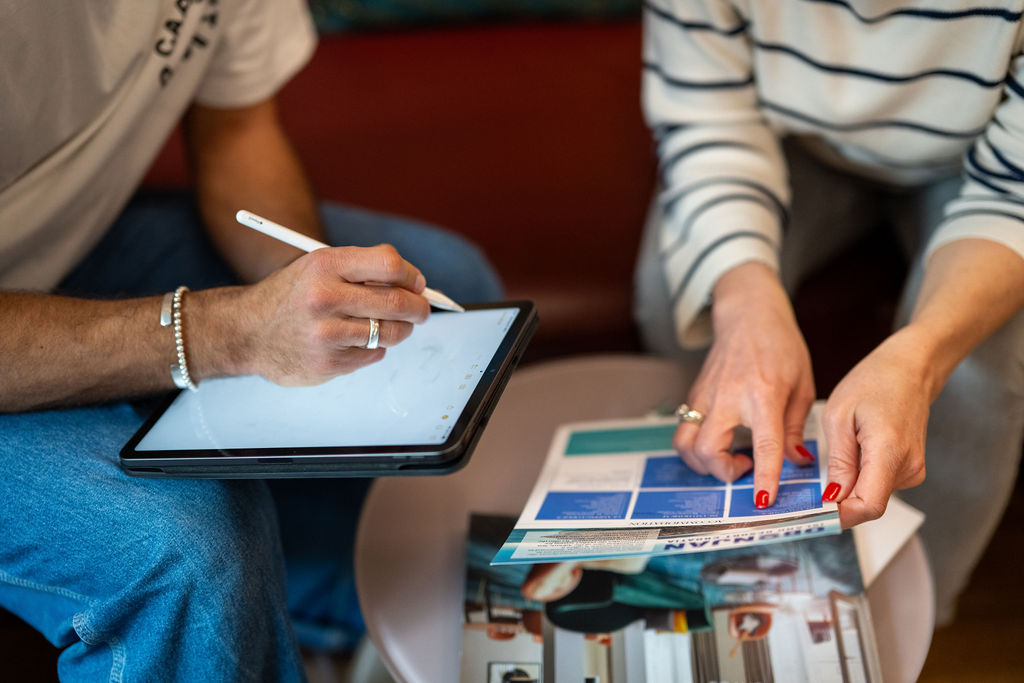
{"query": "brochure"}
{"type": "Point", "coordinates": [550, 545]}
{"type": "Point", "coordinates": [617, 488]}
{"type": "Point", "coordinates": [792, 611]}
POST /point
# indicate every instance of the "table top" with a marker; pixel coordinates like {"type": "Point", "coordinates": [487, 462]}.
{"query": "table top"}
{"type": "Point", "coordinates": [410, 548]}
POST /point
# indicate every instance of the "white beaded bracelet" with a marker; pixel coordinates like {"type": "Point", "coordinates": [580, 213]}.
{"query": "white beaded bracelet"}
{"type": "Point", "coordinates": [170, 312]}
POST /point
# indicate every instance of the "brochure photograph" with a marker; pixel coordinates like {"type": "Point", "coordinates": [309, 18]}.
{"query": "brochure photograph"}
{"type": "Point", "coordinates": [791, 611]}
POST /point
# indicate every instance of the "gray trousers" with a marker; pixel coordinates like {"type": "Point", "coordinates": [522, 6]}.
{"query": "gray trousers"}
{"type": "Point", "coordinates": [976, 425]}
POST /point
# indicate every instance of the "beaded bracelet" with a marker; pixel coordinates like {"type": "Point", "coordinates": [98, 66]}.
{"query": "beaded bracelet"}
{"type": "Point", "coordinates": [170, 313]}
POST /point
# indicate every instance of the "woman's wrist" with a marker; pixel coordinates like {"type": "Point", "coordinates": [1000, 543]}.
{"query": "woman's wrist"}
{"type": "Point", "coordinates": [926, 353]}
{"type": "Point", "coordinates": [752, 284]}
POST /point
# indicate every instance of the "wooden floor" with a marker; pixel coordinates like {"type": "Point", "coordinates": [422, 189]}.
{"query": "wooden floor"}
{"type": "Point", "coordinates": [986, 642]}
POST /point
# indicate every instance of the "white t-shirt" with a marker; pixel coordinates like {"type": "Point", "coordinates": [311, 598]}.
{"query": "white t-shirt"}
{"type": "Point", "coordinates": [89, 92]}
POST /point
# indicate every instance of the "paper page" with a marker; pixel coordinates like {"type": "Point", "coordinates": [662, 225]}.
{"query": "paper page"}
{"type": "Point", "coordinates": [526, 546]}
{"type": "Point", "coordinates": [625, 474]}
{"type": "Point", "coordinates": [879, 541]}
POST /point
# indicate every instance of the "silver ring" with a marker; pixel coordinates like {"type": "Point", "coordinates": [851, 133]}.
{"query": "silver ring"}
{"type": "Point", "coordinates": [687, 414]}
{"type": "Point", "coordinates": [374, 338]}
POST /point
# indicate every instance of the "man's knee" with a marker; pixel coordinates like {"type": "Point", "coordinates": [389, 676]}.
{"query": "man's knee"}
{"type": "Point", "coordinates": [193, 579]}
{"type": "Point", "coordinates": [212, 541]}
{"type": "Point", "coordinates": [463, 271]}
{"type": "Point", "coordinates": [449, 261]}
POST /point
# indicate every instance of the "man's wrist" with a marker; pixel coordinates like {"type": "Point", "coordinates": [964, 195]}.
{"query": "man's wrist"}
{"type": "Point", "coordinates": [220, 327]}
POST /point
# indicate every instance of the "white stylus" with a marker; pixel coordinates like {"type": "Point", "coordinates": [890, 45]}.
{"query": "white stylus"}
{"type": "Point", "coordinates": [305, 243]}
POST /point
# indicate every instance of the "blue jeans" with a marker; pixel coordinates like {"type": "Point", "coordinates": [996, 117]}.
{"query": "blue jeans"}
{"type": "Point", "coordinates": [176, 579]}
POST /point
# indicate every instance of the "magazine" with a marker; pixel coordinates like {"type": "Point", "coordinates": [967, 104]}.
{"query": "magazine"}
{"type": "Point", "coordinates": [792, 611]}
{"type": "Point", "coordinates": [617, 488]}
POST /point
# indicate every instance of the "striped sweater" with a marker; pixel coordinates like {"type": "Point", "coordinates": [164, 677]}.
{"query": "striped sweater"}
{"type": "Point", "coordinates": [902, 90]}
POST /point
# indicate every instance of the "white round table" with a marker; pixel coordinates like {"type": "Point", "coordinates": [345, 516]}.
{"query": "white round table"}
{"type": "Point", "coordinates": [410, 563]}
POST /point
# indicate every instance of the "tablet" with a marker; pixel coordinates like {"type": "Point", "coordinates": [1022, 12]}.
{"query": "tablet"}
{"type": "Point", "coordinates": [420, 410]}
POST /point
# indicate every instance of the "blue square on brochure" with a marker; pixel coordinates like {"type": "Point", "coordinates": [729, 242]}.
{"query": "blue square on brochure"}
{"type": "Point", "coordinates": [679, 504]}
{"type": "Point", "coordinates": [791, 498]}
{"type": "Point", "coordinates": [670, 471]}
{"type": "Point", "coordinates": [584, 505]}
{"type": "Point", "coordinates": [790, 472]}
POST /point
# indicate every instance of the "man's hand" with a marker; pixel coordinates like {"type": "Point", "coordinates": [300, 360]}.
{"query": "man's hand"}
{"type": "Point", "coordinates": [875, 423]}
{"type": "Point", "coordinates": [309, 321]}
{"type": "Point", "coordinates": [757, 374]}
{"type": "Point", "coordinates": [301, 323]}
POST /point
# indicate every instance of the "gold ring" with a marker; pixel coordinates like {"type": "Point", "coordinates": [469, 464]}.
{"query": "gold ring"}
{"type": "Point", "coordinates": [687, 414]}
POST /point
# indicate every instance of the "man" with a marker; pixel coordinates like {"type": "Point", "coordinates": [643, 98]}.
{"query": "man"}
{"type": "Point", "coordinates": [874, 112]}
{"type": "Point", "coordinates": [160, 579]}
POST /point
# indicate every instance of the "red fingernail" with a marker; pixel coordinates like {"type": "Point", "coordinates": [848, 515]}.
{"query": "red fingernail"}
{"type": "Point", "coordinates": [831, 492]}
{"type": "Point", "coordinates": [804, 452]}
{"type": "Point", "coordinates": [761, 500]}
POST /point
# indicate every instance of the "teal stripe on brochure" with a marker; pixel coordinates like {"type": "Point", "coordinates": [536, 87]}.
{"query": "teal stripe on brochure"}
{"type": "Point", "coordinates": [627, 440]}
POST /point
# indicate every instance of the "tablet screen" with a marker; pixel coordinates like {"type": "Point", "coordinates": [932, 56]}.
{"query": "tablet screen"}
{"type": "Point", "coordinates": [414, 396]}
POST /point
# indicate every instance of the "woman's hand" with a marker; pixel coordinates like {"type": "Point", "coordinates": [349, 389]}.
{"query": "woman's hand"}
{"type": "Point", "coordinates": [875, 423]}
{"type": "Point", "coordinates": [309, 321]}
{"type": "Point", "coordinates": [757, 374]}
{"type": "Point", "coordinates": [876, 419]}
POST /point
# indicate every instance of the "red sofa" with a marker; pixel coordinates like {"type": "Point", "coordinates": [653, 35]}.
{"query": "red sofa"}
{"type": "Point", "coordinates": [526, 138]}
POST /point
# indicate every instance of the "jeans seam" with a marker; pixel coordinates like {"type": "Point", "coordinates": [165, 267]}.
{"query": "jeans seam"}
{"type": "Point", "coordinates": [117, 650]}
{"type": "Point", "coordinates": [34, 585]}
{"type": "Point", "coordinates": [78, 621]}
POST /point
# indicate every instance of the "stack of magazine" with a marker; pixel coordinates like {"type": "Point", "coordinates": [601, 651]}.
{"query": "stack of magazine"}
{"type": "Point", "coordinates": [628, 567]}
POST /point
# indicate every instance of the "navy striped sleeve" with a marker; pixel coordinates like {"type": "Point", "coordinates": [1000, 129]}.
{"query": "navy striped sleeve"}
{"type": "Point", "coordinates": [991, 202]}
{"type": "Point", "coordinates": [723, 189]}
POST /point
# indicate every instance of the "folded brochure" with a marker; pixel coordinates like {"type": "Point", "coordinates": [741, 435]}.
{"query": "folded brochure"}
{"type": "Point", "coordinates": [617, 488]}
